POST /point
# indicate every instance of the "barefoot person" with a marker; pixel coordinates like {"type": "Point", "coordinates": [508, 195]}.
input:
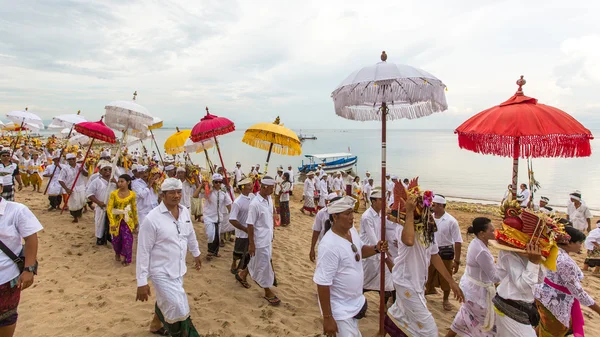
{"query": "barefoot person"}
{"type": "Point", "coordinates": [409, 316]}
{"type": "Point", "coordinates": [339, 271]}
{"type": "Point", "coordinates": [17, 223]}
{"type": "Point", "coordinates": [213, 214]}
{"type": "Point", "coordinates": [475, 318]}
{"type": "Point", "coordinates": [260, 220]}
{"type": "Point", "coordinates": [164, 237]}
{"type": "Point", "coordinates": [97, 192]}
{"type": "Point", "coordinates": [309, 195]}
{"type": "Point", "coordinates": [8, 172]}
{"type": "Point", "coordinates": [76, 195]}
{"type": "Point", "coordinates": [238, 216]}
{"type": "Point", "coordinates": [55, 190]}
{"type": "Point", "coordinates": [449, 242]}
{"type": "Point", "coordinates": [123, 219]}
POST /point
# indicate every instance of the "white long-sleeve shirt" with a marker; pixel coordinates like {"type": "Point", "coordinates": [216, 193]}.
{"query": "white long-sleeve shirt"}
{"type": "Point", "coordinates": [162, 244]}
{"type": "Point", "coordinates": [480, 267]}
{"type": "Point", "coordinates": [309, 188]}
{"type": "Point", "coordinates": [519, 277]}
{"type": "Point", "coordinates": [145, 197]}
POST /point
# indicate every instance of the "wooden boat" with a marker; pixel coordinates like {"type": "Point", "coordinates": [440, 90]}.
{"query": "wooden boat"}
{"type": "Point", "coordinates": [331, 162]}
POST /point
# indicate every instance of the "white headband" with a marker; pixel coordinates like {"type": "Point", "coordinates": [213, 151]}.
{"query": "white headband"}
{"type": "Point", "coordinates": [171, 184]}
{"type": "Point", "coordinates": [438, 199]}
{"type": "Point", "coordinates": [574, 197]}
{"type": "Point", "coordinates": [339, 206]}
{"type": "Point", "coordinates": [268, 181]}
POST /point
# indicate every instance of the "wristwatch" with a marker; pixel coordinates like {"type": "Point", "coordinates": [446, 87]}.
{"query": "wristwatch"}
{"type": "Point", "coordinates": [31, 269]}
{"type": "Point", "coordinates": [376, 250]}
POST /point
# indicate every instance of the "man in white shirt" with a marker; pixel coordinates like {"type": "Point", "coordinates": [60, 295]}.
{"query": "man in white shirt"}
{"type": "Point", "coordinates": [260, 220]}
{"type": "Point", "coordinates": [578, 213]}
{"type": "Point", "coordinates": [213, 213]}
{"type": "Point", "coordinates": [449, 242]}
{"type": "Point", "coordinates": [389, 187]}
{"type": "Point", "coordinates": [416, 250]}
{"type": "Point", "coordinates": [309, 195]}
{"type": "Point", "coordinates": [8, 172]}
{"type": "Point", "coordinates": [322, 189]}
{"type": "Point", "coordinates": [163, 239]}
{"type": "Point", "coordinates": [34, 171]}
{"type": "Point", "coordinates": [524, 196]}
{"type": "Point", "coordinates": [319, 226]}
{"type": "Point", "coordinates": [278, 182]}
{"type": "Point", "coordinates": [339, 272]}
{"type": "Point", "coordinates": [543, 206]}
{"type": "Point", "coordinates": [97, 192]}
{"type": "Point", "coordinates": [368, 189]}
{"type": "Point", "coordinates": [237, 174]}
{"type": "Point", "coordinates": [187, 191]}
{"type": "Point", "coordinates": [238, 217]}
{"type": "Point", "coordinates": [75, 188]}
{"type": "Point", "coordinates": [367, 177]}
{"type": "Point", "coordinates": [54, 189]}
{"type": "Point", "coordinates": [338, 184]}
{"type": "Point", "coordinates": [290, 171]}
{"type": "Point", "coordinates": [142, 186]}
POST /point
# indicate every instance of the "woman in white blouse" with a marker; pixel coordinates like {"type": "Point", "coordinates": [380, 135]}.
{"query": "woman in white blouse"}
{"type": "Point", "coordinates": [560, 297]}
{"type": "Point", "coordinates": [476, 315]}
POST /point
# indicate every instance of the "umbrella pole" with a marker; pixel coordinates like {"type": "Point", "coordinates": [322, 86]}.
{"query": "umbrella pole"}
{"type": "Point", "coordinates": [61, 154]}
{"type": "Point", "coordinates": [382, 266]}
{"type": "Point", "coordinates": [515, 172]}
{"type": "Point", "coordinates": [78, 173]}
{"type": "Point", "coordinates": [16, 140]}
{"type": "Point", "coordinates": [223, 166]}
{"type": "Point", "coordinates": [268, 157]}
{"type": "Point", "coordinates": [157, 149]}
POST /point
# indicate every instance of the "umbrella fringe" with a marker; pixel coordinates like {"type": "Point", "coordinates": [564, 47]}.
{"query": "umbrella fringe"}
{"type": "Point", "coordinates": [198, 135]}
{"type": "Point", "coordinates": [281, 144]}
{"type": "Point", "coordinates": [547, 146]}
{"type": "Point", "coordinates": [409, 98]}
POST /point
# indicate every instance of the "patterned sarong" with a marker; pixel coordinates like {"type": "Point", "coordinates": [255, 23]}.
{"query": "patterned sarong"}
{"type": "Point", "coordinates": [9, 301]}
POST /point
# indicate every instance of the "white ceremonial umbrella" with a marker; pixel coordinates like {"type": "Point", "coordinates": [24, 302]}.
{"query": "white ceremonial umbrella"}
{"type": "Point", "coordinates": [79, 139]}
{"type": "Point", "coordinates": [394, 91]}
{"type": "Point", "coordinates": [66, 121]}
{"type": "Point", "coordinates": [20, 117]}
{"type": "Point", "coordinates": [127, 115]}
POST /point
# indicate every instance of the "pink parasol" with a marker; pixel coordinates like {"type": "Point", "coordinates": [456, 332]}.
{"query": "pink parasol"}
{"type": "Point", "coordinates": [211, 126]}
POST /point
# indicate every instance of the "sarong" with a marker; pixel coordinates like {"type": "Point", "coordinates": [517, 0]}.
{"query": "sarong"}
{"type": "Point", "coordinates": [55, 201]}
{"type": "Point", "coordinates": [577, 320]}
{"type": "Point", "coordinates": [225, 226]}
{"type": "Point", "coordinates": [196, 209]}
{"type": "Point", "coordinates": [240, 252]}
{"type": "Point", "coordinates": [276, 200]}
{"type": "Point", "coordinates": [25, 179]}
{"type": "Point", "coordinates": [348, 328]}
{"type": "Point", "coordinates": [123, 243]}
{"type": "Point", "coordinates": [172, 306]}
{"type": "Point", "coordinates": [409, 316]}
{"type": "Point", "coordinates": [435, 279]}
{"type": "Point", "coordinates": [260, 267]}
{"type": "Point", "coordinates": [35, 179]}
{"type": "Point", "coordinates": [309, 204]}
{"type": "Point", "coordinates": [357, 205]}
{"type": "Point", "coordinates": [76, 202]}
{"type": "Point", "coordinates": [9, 301]}
{"type": "Point", "coordinates": [284, 212]}
{"type": "Point", "coordinates": [212, 237]}
{"type": "Point", "coordinates": [8, 193]}
{"type": "Point", "coordinates": [593, 259]}
{"type": "Point", "coordinates": [508, 327]}
{"type": "Point", "coordinates": [550, 326]}
{"type": "Point", "coordinates": [469, 321]}
{"type": "Point", "coordinates": [179, 329]}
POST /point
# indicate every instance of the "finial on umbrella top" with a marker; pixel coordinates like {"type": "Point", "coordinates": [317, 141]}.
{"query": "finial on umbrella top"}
{"type": "Point", "coordinates": [520, 82]}
{"type": "Point", "coordinates": [383, 56]}
{"type": "Point", "coordinates": [277, 121]}
{"type": "Point", "coordinates": [207, 110]}
{"type": "Point", "coordinates": [78, 112]}
{"type": "Point", "coordinates": [177, 128]}
{"type": "Point", "coordinates": [134, 95]}
{"type": "Point", "coordinates": [26, 108]}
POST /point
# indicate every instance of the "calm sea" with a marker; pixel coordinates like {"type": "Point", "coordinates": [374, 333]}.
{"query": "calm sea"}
{"type": "Point", "coordinates": [433, 155]}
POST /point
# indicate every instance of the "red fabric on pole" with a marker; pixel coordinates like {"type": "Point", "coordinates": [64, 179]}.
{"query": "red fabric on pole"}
{"type": "Point", "coordinates": [211, 126]}
{"type": "Point", "coordinates": [543, 131]}
{"type": "Point", "coordinates": [96, 130]}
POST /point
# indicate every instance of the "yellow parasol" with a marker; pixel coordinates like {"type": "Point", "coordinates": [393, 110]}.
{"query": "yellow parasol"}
{"type": "Point", "coordinates": [174, 144]}
{"type": "Point", "coordinates": [273, 137]}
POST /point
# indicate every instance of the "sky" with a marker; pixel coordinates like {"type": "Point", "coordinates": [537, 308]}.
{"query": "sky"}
{"type": "Point", "coordinates": [254, 60]}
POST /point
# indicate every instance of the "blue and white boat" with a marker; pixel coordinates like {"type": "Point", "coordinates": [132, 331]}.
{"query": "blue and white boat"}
{"type": "Point", "coordinates": [331, 162]}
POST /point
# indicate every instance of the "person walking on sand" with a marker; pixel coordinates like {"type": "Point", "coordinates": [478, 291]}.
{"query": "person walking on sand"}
{"type": "Point", "coordinates": [592, 245]}
{"type": "Point", "coordinates": [55, 190]}
{"type": "Point", "coordinates": [97, 192]}
{"type": "Point", "coordinates": [123, 219]}
{"type": "Point", "coordinates": [284, 200]}
{"type": "Point", "coordinates": [238, 217]}
{"type": "Point", "coordinates": [260, 220]}
{"type": "Point", "coordinates": [309, 195]}
{"type": "Point", "coordinates": [449, 243]}
{"type": "Point", "coordinates": [67, 177]}
{"type": "Point", "coordinates": [339, 271]}
{"type": "Point", "coordinates": [578, 213]}
{"type": "Point", "coordinates": [8, 172]}
{"type": "Point", "coordinates": [17, 224]}
{"type": "Point", "coordinates": [213, 215]}
{"type": "Point", "coordinates": [164, 237]}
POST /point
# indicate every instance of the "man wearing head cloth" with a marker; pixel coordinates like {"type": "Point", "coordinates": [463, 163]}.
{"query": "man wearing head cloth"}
{"type": "Point", "coordinates": [55, 190]}
{"type": "Point", "coordinates": [142, 185]}
{"type": "Point", "coordinates": [164, 237]}
{"type": "Point", "coordinates": [75, 188]}
{"type": "Point", "coordinates": [261, 219]}
{"type": "Point", "coordinates": [449, 243]}
{"type": "Point", "coordinates": [543, 206]}
{"type": "Point", "coordinates": [309, 195]}
{"type": "Point", "coordinates": [339, 271]}
{"type": "Point", "coordinates": [338, 184]}
{"type": "Point", "coordinates": [319, 227]}
{"type": "Point", "coordinates": [170, 170]}
{"type": "Point", "coordinates": [237, 174]}
{"type": "Point", "coordinates": [237, 218]}
{"type": "Point", "coordinates": [290, 171]}
{"type": "Point", "coordinates": [9, 172]}
{"type": "Point", "coordinates": [216, 204]}
{"type": "Point", "coordinates": [97, 192]}
{"type": "Point", "coordinates": [321, 188]}
{"type": "Point", "coordinates": [34, 170]}
{"type": "Point", "coordinates": [578, 213]}
{"type": "Point", "coordinates": [370, 234]}
{"type": "Point", "coordinates": [188, 189]}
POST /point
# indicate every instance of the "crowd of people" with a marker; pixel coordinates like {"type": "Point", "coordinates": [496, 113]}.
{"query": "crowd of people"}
{"type": "Point", "coordinates": [158, 201]}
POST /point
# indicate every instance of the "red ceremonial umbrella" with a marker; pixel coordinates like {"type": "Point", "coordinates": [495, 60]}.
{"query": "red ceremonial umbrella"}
{"type": "Point", "coordinates": [211, 126]}
{"type": "Point", "coordinates": [95, 130]}
{"type": "Point", "coordinates": [522, 127]}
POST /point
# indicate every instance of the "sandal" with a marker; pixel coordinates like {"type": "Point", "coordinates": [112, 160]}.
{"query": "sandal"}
{"type": "Point", "coordinates": [274, 301]}
{"type": "Point", "coordinates": [161, 332]}
{"type": "Point", "coordinates": [234, 271]}
{"type": "Point", "coordinates": [448, 307]}
{"type": "Point", "coordinates": [244, 284]}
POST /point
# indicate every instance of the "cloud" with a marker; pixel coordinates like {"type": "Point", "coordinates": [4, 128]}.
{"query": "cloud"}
{"type": "Point", "coordinates": [252, 61]}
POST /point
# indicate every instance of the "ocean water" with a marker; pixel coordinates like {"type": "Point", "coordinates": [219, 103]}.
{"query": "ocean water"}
{"type": "Point", "coordinates": [432, 155]}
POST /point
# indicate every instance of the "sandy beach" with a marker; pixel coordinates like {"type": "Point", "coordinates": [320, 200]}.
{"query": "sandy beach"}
{"type": "Point", "coordinates": [82, 291]}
